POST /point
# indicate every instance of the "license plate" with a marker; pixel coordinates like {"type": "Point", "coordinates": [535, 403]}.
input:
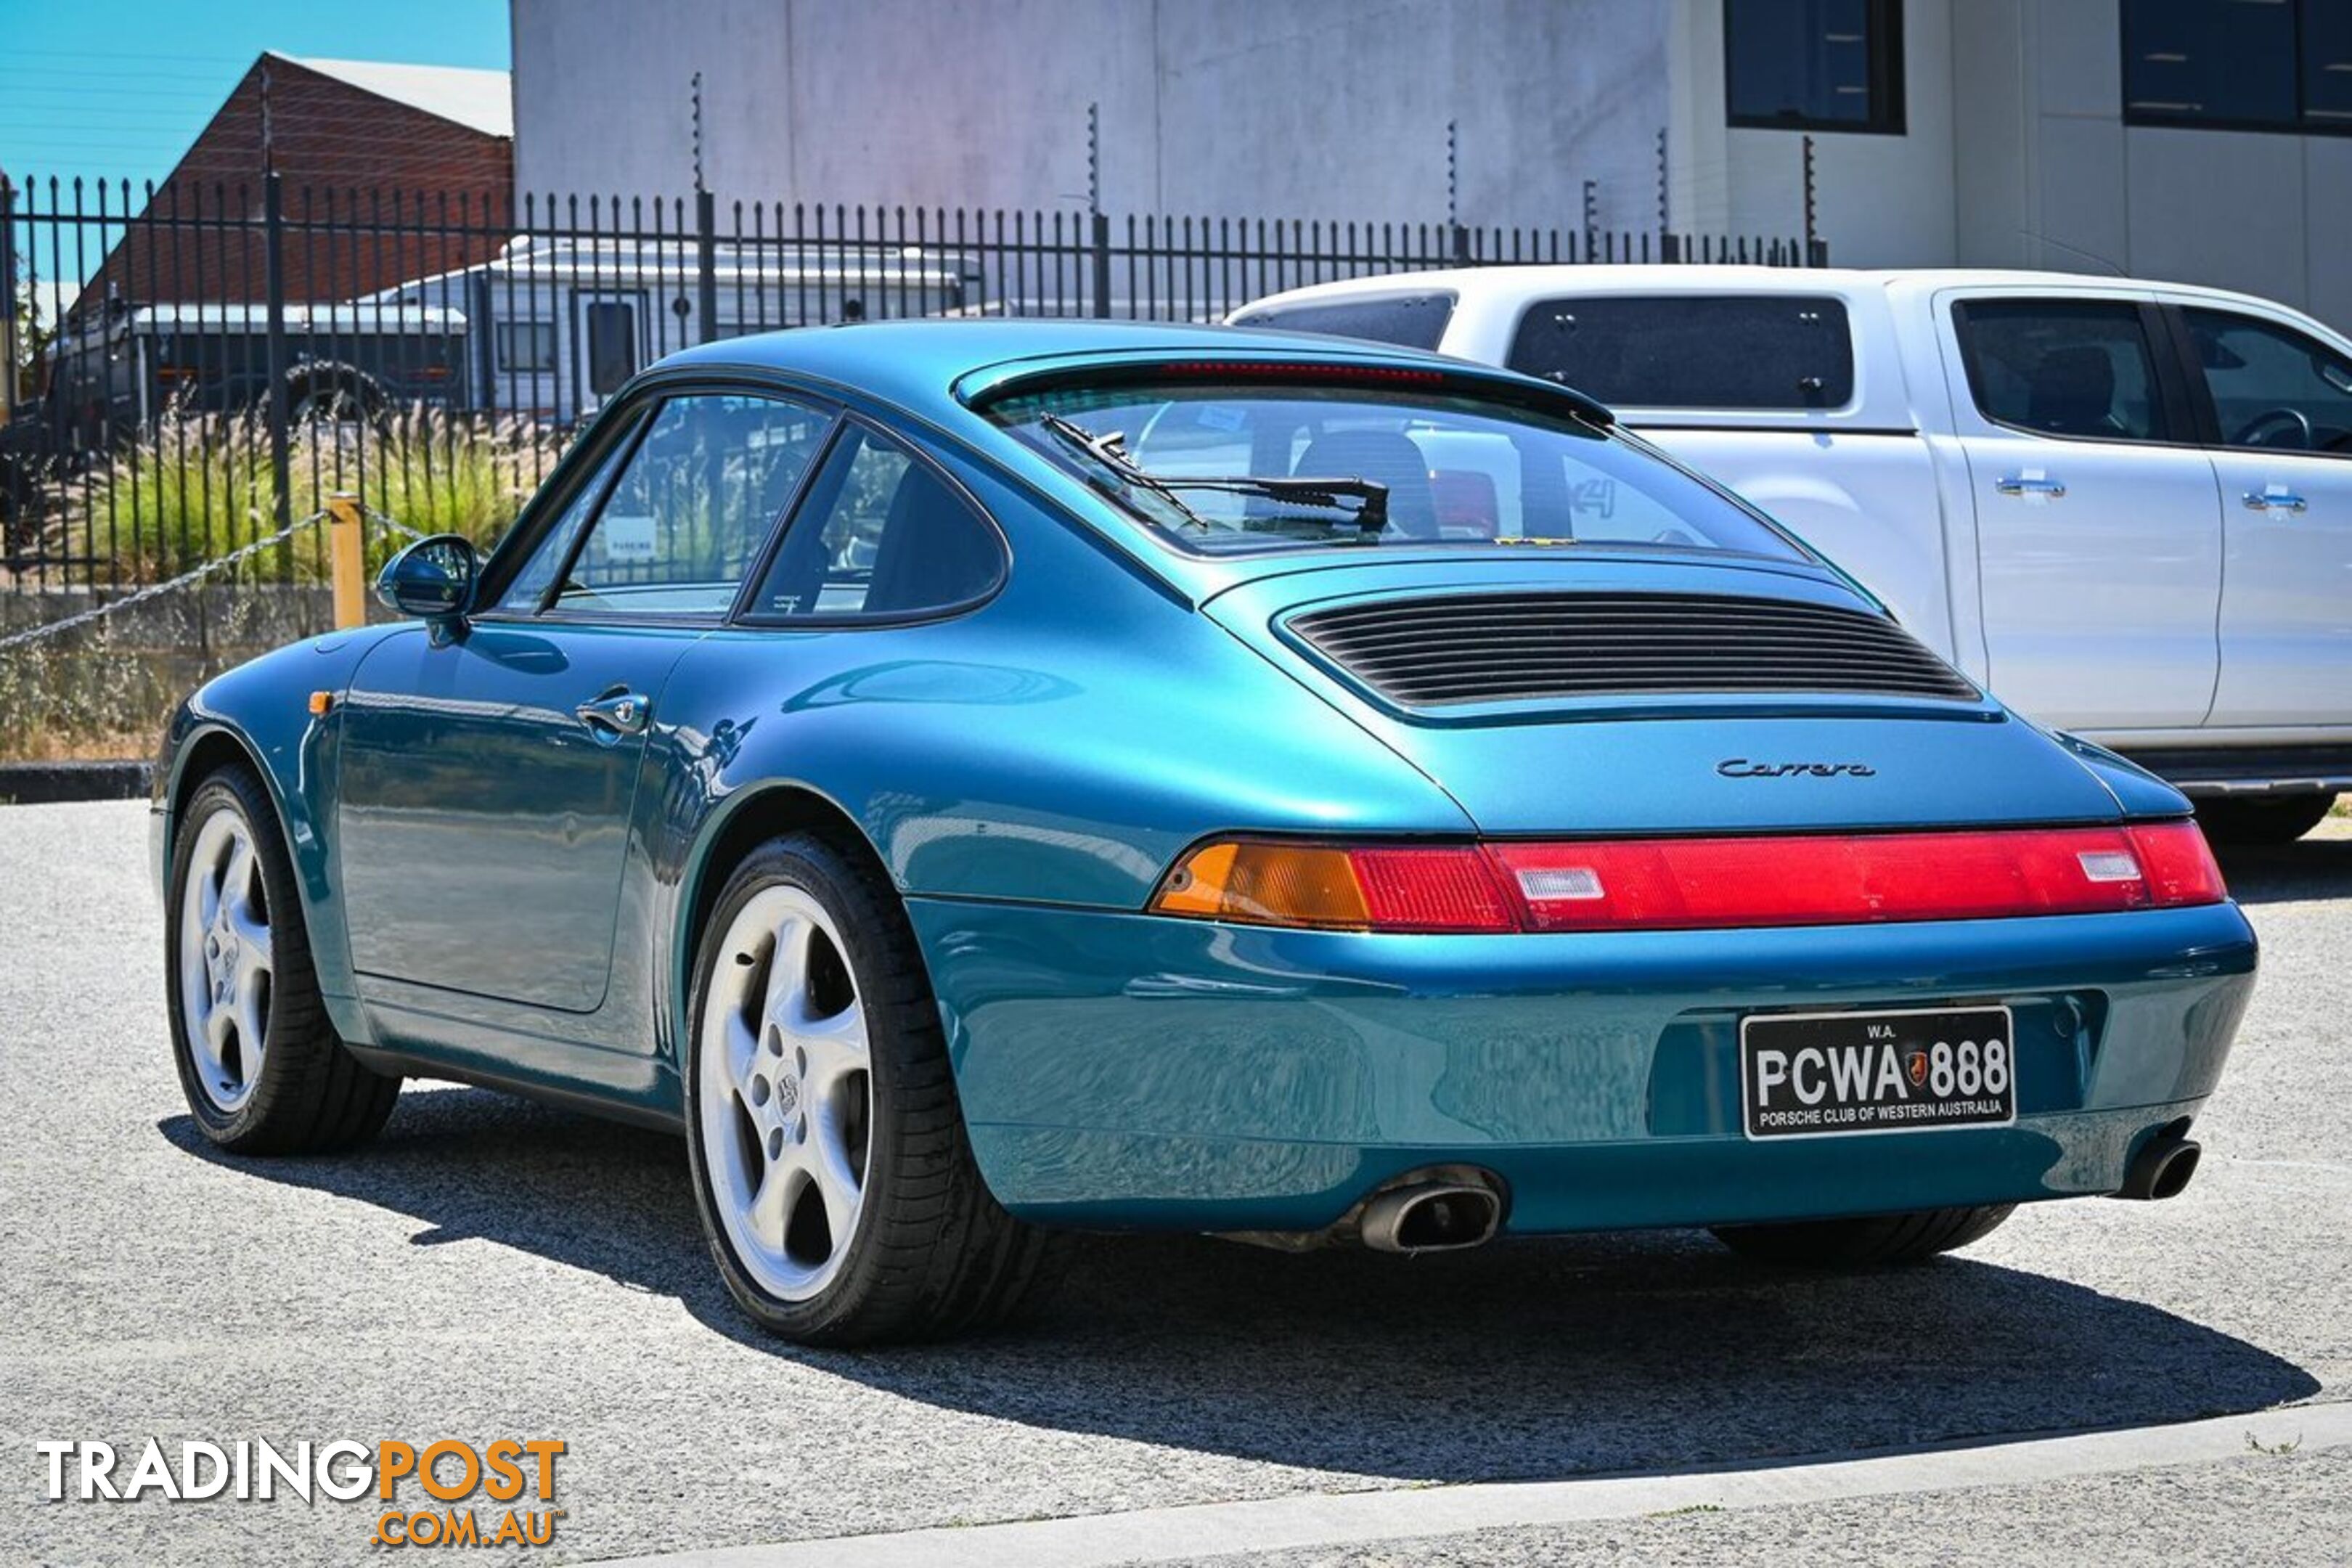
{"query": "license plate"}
{"type": "Point", "coordinates": [1812, 1075]}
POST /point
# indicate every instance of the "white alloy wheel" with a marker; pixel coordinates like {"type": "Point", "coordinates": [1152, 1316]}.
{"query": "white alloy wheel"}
{"type": "Point", "coordinates": [227, 965]}
{"type": "Point", "coordinates": [784, 1097]}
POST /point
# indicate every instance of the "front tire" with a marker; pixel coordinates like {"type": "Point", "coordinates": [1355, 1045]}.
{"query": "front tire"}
{"type": "Point", "coordinates": [1865, 1243]}
{"type": "Point", "coordinates": [261, 1065]}
{"type": "Point", "coordinates": [2263, 819]}
{"type": "Point", "coordinates": [836, 1183]}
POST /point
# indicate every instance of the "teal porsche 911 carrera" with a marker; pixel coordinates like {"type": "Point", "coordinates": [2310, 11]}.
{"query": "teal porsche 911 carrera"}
{"type": "Point", "coordinates": [984, 779]}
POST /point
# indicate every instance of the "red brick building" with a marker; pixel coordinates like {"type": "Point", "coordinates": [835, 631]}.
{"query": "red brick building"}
{"type": "Point", "coordinates": [428, 150]}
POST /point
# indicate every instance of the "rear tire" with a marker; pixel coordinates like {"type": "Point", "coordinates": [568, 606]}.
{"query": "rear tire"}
{"type": "Point", "coordinates": [831, 1168]}
{"type": "Point", "coordinates": [2263, 819]}
{"type": "Point", "coordinates": [262, 1067]}
{"type": "Point", "coordinates": [1863, 1243]}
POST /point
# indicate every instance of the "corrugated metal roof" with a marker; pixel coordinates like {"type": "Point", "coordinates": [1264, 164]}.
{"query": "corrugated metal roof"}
{"type": "Point", "coordinates": [481, 100]}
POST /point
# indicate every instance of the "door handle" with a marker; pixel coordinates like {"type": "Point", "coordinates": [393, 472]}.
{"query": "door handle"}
{"type": "Point", "coordinates": [2029, 484]}
{"type": "Point", "coordinates": [620, 712]}
{"type": "Point", "coordinates": [2276, 501]}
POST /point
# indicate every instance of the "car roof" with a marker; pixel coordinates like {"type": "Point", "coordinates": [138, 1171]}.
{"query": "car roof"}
{"type": "Point", "coordinates": [918, 363]}
{"type": "Point", "coordinates": [926, 367]}
{"type": "Point", "coordinates": [1521, 280]}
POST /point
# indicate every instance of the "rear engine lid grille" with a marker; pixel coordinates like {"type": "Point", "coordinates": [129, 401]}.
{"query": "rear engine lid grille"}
{"type": "Point", "coordinates": [1453, 649]}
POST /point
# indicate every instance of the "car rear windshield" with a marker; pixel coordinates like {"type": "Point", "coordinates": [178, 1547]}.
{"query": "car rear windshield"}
{"type": "Point", "coordinates": [1692, 351]}
{"type": "Point", "coordinates": [1410, 321]}
{"type": "Point", "coordinates": [1223, 466]}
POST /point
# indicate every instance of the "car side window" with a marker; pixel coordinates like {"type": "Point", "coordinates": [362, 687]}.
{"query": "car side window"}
{"type": "Point", "coordinates": [880, 533]}
{"type": "Point", "coordinates": [2062, 367]}
{"type": "Point", "coordinates": [2272, 386]}
{"type": "Point", "coordinates": [693, 508]}
{"type": "Point", "coordinates": [530, 584]}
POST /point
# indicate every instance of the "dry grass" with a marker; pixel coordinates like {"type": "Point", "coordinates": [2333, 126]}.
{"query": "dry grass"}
{"type": "Point", "coordinates": [197, 486]}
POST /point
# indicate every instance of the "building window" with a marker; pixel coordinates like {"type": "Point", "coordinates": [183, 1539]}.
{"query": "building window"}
{"type": "Point", "coordinates": [2326, 42]}
{"type": "Point", "coordinates": [1815, 65]}
{"type": "Point", "coordinates": [2239, 65]}
{"type": "Point", "coordinates": [526, 346]}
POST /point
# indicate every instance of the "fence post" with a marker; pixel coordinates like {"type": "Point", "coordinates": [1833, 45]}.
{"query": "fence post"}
{"type": "Point", "coordinates": [706, 262]}
{"type": "Point", "coordinates": [1100, 245]}
{"type": "Point", "coordinates": [8, 350]}
{"type": "Point", "coordinates": [273, 273]}
{"type": "Point", "coordinates": [347, 558]}
{"type": "Point", "coordinates": [1817, 254]}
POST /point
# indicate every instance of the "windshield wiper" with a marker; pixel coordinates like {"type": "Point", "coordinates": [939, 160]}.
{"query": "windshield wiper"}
{"type": "Point", "coordinates": [1370, 517]}
{"type": "Point", "coordinates": [1106, 450]}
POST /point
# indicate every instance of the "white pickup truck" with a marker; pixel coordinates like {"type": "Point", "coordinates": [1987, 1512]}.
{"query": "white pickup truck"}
{"type": "Point", "coordinates": [2125, 507]}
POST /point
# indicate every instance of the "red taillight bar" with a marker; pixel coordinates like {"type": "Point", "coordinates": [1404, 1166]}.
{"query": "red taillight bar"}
{"type": "Point", "coordinates": [1693, 882]}
{"type": "Point", "coordinates": [1683, 884]}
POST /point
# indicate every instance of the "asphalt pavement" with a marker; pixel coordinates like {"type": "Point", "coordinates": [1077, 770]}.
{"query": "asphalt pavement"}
{"type": "Point", "coordinates": [490, 1267]}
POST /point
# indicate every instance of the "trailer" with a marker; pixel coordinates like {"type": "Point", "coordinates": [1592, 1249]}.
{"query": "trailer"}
{"type": "Point", "coordinates": [125, 365]}
{"type": "Point", "coordinates": [557, 325]}
{"type": "Point", "coordinates": [120, 369]}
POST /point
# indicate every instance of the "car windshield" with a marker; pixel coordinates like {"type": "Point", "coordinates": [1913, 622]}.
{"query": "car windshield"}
{"type": "Point", "coordinates": [1221, 468]}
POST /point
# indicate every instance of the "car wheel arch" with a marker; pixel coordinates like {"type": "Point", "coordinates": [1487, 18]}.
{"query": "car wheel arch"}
{"type": "Point", "coordinates": [747, 820]}
{"type": "Point", "coordinates": [206, 752]}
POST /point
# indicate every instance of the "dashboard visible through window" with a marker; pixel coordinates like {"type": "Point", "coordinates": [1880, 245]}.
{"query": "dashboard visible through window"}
{"type": "Point", "coordinates": [2272, 386]}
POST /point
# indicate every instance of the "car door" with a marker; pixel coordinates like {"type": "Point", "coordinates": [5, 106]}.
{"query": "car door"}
{"type": "Point", "coordinates": [2098, 524]}
{"type": "Point", "coordinates": [2277, 405]}
{"type": "Point", "coordinates": [489, 780]}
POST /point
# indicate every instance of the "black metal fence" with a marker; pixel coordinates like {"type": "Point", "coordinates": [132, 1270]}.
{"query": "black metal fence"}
{"type": "Point", "coordinates": [186, 372]}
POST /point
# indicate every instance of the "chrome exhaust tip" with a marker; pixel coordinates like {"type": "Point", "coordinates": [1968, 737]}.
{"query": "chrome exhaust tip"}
{"type": "Point", "coordinates": [1430, 1216]}
{"type": "Point", "coordinates": [2163, 1167]}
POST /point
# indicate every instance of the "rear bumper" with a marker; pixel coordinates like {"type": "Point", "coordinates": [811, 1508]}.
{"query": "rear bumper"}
{"type": "Point", "coordinates": [1130, 1071]}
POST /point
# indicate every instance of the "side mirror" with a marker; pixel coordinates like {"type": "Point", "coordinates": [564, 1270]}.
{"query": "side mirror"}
{"type": "Point", "coordinates": [431, 580]}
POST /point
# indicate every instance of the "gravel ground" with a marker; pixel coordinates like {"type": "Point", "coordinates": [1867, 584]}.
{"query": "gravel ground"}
{"type": "Point", "coordinates": [490, 1269]}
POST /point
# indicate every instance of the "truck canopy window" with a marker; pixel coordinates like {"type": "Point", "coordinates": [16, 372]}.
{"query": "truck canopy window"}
{"type": "Point", "coordinates": [1692, 351]}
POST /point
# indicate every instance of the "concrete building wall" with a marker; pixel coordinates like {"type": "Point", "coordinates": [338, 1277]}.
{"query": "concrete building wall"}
{"type": "Point", "coordinates": [2050, 175]}
{"type": "Point", "coordinates": [1278, 108]}
{"type": "Point", "coordinates": [2015, 152]}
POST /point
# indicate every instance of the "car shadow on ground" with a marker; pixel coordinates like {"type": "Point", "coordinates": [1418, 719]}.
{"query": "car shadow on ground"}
{"type": "Point", "coordinates": [2316, 867]}
{"type": "Point", "coordinates": [1529, 1358]}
